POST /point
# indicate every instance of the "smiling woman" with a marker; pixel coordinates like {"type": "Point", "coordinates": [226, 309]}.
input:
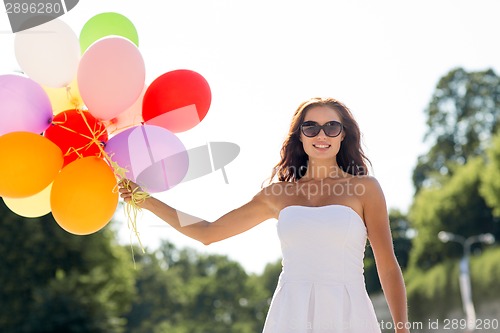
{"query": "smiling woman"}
{"type": "Point", "coordinates": [337, 121]}
{"type": "Point", "coordinates": [326, 206]}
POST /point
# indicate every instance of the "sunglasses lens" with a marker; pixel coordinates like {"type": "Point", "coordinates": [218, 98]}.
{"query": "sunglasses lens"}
{"type": "Point", "coordinates": [311, 130]}
{"type": "Point", "coordinates": [333, 128]}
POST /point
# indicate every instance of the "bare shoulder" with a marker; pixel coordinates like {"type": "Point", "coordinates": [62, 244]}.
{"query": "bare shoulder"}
{"type": "Point", "coordinates": [369, 182]}
{"type": "Point", "coordinates": [274, 190]}
{"type": "Point", "coordinates": [371, 189]}
{"type": "Point", "coordinates": [373, 202]}
{"type": "Point", "coordinates": [271, 195]}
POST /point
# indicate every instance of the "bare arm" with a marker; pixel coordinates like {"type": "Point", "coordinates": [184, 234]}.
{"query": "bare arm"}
{"type": "Point", "coordinates": [235, 222]}
{"type": "Point", "coordinates": [389, 272]}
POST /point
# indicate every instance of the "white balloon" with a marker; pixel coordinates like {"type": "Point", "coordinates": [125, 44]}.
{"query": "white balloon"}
{"type": "Point", "coordinates": [49, 53]}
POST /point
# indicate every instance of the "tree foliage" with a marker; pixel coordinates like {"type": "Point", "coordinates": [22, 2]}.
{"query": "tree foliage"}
{"type": "Point", "coordinates": [462, 117]}
{"type": "Point", "coordinates": [458, 207]}
{"type": "Point", "coordinates": [490, 187]}
{"type": "Point", "coordinates": [53, 281]}
{"type": "Point", "coordinates": [456, 181]}
{"type": "Point", "coordinates": [436, 291]}
{"type": "Point", "coordinates": [181, 290]}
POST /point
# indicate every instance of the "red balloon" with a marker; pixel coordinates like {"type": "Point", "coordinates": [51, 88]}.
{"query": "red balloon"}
{"type": "Point", "coordinates": [74, 132]}
{"type": "Point", "coordinates": [177, 100]}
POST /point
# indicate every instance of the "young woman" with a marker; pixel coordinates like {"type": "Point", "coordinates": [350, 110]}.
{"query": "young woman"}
{"type": "Point", "coordinates": [326, 206]}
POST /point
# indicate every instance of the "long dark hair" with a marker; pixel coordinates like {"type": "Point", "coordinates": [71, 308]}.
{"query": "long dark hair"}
{"type": "Point", "coordinates": [350, 158]}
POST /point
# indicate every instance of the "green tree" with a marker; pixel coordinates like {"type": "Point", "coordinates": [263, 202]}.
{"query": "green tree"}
{"type": "Point", "coordinates": [160, 296]}
{"type": "Point", "coordinates": [490, 185]}
{"type": "Point", "coordinates": [220, 296]}
{"type": "Point", "coordinates": [462, 116]}
{"type": "Point", "coordinates": [181, 290]}
{"type": "Point", "coordinates": [264, 286]}
{"type": "Point", "coordinates": [436, 291]}
{"type": "Point", "coordinates": [53, 281]}
{"type": "Point", "coordinates": [456, 206]}
{"type": "Point", "coordinates": [269, 277]}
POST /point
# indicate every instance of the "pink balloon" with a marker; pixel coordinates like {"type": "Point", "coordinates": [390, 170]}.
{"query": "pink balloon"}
{"type": "Point", "coordinates": [127, 119]}
{"type": "Point", "coordinates": [24, 105]}
{"type": "Point", "coordinates": [153, 156]}
{"type": "Point", "coordinates": [111, 76]}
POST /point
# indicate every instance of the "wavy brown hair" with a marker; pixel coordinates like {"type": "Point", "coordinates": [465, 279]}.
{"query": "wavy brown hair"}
{"type": "Point", "coordinates": [350, 158]}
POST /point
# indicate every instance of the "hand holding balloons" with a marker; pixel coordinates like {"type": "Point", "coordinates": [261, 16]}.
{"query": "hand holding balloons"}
{"type": "Point", "coordinates": [132, 193]}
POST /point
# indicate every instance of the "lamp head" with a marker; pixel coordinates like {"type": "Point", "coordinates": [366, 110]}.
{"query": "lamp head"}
{"type": "Point", "coordinates": [444, 236]}
{"type": "Point", "coordinates": [487, 238]}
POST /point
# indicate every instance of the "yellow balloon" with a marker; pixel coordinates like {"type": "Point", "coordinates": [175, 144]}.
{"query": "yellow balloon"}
{"type": "Point", "coordinates": [65, 98]}
{"type": "Point", "coordinates": [34, 206]}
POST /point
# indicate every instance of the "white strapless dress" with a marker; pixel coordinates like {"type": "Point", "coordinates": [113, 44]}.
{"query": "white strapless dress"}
{"type": "Point", "coordinates": [321, 288]}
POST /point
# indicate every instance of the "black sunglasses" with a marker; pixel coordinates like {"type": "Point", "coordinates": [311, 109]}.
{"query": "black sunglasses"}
{"type": "Point", "coordinates": [311, 128]}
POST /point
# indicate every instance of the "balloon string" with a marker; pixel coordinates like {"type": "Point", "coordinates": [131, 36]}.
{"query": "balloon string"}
{"type": "Point", "coordinates": [132, 207]}
{"type": "Point", "coordinates": [75, 101]}
{"type": "Point", "coordinates": [111, 123]}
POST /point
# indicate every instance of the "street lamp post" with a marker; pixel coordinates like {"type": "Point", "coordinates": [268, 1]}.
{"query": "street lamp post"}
{"type": "Point", "coordinates": [464, 277]}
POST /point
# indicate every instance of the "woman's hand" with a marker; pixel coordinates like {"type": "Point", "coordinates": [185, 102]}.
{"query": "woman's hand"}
{"type": "Point", "coordinates": [130, 192]}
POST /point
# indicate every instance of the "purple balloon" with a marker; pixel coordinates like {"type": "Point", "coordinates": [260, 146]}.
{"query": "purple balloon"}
{"type": "Point", "coordinates": [153, 156]}
{"type": "Point", "coordinates": [24, 105]}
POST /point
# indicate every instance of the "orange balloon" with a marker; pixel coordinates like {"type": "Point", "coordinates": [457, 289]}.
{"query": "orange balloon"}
{"type": "Point", "coordinates": [28, 163]}
{"type": "Point", "coordinates": [83, 197]}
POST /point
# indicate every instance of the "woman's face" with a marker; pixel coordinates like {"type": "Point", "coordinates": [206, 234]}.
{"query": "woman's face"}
{"type": "Point", "coordinates": [322, 146]}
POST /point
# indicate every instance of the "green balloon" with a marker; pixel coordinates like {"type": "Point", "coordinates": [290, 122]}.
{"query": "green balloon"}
{"type": "Point", "coordinates": [107, 24]}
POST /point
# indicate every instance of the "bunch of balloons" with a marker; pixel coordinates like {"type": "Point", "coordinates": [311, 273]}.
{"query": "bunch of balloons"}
{"type": "Point", "coordinates": [81, 117]}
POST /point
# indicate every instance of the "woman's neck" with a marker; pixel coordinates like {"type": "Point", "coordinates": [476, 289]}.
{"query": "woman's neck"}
{"type": "Point", "coordinates": [318, 170]}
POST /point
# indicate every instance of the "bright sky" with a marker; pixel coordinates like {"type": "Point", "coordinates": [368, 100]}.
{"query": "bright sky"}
{"type": "Point", "coordinates": [263, 58]}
